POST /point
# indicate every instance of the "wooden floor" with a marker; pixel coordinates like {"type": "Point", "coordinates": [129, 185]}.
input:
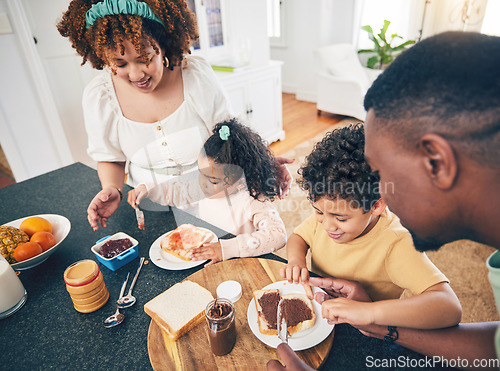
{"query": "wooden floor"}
{"type": "Point", "coordinates": [300, 122]}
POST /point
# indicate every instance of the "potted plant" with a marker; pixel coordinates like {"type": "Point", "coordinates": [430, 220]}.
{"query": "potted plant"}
{"type": "Point", "coordinates": [383, 50]}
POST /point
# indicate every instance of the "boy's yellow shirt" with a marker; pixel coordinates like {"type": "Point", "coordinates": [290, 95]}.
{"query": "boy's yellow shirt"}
{"type": "Point", "coordinates": [384, 260]}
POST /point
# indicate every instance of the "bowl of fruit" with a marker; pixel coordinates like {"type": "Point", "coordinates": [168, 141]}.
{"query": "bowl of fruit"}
{"type": "Point", "coordinates": [29, 241]}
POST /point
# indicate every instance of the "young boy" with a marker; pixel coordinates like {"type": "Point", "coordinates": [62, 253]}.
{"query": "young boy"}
{"type": "Point", "coordinates": [352, 235]}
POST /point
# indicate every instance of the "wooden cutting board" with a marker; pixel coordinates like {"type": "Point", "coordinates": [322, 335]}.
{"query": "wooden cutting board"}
{"type": "Point", "coordinates": [192, 351]}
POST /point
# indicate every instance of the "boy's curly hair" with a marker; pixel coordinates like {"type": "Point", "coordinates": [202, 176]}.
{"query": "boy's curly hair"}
{"type": "Point", "coordinates": [247, 150]}
{"type": "Point", "coordinates": [337, 168]}
{"type": "Point", "coordinates": [109, 32]}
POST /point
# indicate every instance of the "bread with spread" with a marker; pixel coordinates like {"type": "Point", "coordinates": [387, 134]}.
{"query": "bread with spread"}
{"type": "Point", "coordinates": [185, 237]}
{"type": "Point", "coordinates": [180, 308]}
{"type": "Point", "coordinates": [297, 309]}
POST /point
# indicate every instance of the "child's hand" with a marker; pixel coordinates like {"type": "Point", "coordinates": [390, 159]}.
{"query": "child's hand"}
{"type": "Point", "coordinates": [285, 176]}
{"type": "Point", "coordinates": [342, 310]}
{"type": "Point", "coordinates": [135, 196]}
{"type": "Point", "coordinates": [211, 251]}
{"type": "Point", "coordinates": [295, 273]}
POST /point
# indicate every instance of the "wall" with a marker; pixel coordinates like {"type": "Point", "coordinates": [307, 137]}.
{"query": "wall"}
{"type": "Point", "coordinates": [311, 24]}
{"type": "Point", "coordinates": [248, 31]}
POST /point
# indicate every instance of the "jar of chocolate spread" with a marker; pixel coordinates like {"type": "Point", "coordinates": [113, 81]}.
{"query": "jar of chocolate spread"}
{"type": "Point", "coordinates": [221, 326]}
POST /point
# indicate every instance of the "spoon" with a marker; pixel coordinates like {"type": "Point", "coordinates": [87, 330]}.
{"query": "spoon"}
{"type": "Point", "coordinates": [118, 317]}
{"type": "Point", "coordinates": [129, 300]}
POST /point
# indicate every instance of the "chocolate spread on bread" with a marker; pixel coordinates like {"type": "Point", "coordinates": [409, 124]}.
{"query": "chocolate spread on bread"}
{"type": "Point", "coordinates": [295, 311]}
{"type": "Point", "coordinates": [269, 304]}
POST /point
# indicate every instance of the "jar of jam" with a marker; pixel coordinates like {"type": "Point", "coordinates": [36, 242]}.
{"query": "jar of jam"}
{"type": "Point", "coordinates": [85, 284]}
{"type": "Point", "coordinates": [221, 326]}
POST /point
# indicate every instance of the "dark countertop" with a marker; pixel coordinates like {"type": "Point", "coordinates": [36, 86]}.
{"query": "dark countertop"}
{"type": "Point", "coordinates": [47, 332]}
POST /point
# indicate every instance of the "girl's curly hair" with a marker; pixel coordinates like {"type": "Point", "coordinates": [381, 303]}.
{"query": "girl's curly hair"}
{"type": "Point", "coordinates": [109, 32]}
{"type": "Point", "coordinates": [337, 168]}
{"type": "Point", "coordinates": [247, 150]}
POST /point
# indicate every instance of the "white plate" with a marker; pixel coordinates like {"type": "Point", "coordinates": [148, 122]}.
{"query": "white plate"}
{"type": "Point", "coordinates": [60, 229]}
{"type": "Point", "coordinates": [165, 260]}
{"type": "Point", "coordinates": [301, 340]}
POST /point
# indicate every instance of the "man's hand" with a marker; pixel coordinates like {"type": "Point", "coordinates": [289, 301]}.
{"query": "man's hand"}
{"type": "Point", "coordinates": [102, 206]}
{"type": "Point", "coordinates": [289, 358]}
{"type": "Point", "coordinates": [339, 288]}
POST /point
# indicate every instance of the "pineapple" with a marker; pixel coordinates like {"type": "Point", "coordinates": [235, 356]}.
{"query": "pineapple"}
{"type": "Point", "coordinates": [10, 238]}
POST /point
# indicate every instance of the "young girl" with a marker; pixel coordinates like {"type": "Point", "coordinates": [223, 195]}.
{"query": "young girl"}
{"type": "Point", "coordinates": [233, 189]}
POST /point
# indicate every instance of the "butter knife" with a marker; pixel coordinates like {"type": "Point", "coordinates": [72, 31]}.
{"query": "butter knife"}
{"type": "Point", "coordinates": [281, 323]}
{"type": "Point", "coordinates": [140, 218]}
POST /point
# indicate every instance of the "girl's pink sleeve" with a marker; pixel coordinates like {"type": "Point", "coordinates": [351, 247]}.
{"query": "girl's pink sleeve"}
{"type": "Point", "coordinates": [269, 234]}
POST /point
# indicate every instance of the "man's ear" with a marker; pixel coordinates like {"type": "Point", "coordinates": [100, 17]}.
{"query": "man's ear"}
{"type": "Point", "coordinates": [378, 208]}
{"type": "Point", "coordinates": [439, 160]}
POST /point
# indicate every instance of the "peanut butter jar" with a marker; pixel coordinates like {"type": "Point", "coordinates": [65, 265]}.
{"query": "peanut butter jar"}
{"type": "Point", "coordinates": [85, 285]}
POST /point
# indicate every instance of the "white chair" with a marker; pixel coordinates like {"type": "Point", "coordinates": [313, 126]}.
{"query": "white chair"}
{"type": "Point", "coordinates": [342, 81]}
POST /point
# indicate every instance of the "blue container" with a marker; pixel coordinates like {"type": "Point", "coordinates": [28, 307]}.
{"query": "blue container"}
{"type": "Point", "coordinates": [121, 259]}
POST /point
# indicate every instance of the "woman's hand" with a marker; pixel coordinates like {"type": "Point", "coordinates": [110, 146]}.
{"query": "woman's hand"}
{"type": "Point", "coordinates": [212, 251]}
{"type": "Point", "coordinates": [102, 206]}
{"type": "Point", "coordinates": [285, 178]}
{"type": "Point", "coordinates": [135, 196]}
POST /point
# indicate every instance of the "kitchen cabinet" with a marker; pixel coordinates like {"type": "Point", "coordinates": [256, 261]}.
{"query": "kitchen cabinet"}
{"type": "Point", "coordinates": [255, 96]}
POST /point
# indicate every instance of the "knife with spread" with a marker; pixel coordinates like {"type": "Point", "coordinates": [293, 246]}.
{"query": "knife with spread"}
{"type": "Point", "coordinates": [140, 218]}
{"type": "Point", "coordinates": [281, 323]}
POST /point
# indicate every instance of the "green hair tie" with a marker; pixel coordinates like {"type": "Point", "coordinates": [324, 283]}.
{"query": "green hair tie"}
{"type": "Point", "coordinates": [224, 132]}
{"type": "Point", "coordinates": [113, 7]}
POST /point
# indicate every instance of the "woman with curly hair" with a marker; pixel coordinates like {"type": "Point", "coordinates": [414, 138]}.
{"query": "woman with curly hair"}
{"type": "Point", "coordinates": [148, 114]}
{"type": "Point", "coordinates": [353, 236]}
{"type": "Point", "coordinates": [233, 190]}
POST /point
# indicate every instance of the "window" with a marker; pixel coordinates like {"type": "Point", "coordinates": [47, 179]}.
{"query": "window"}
{"type": "Point", "coordinates": [396, 11]}
{"type": "Point", "coordinates": [212, 43]}
{"type": "Point", "coordinates": [276, 10]}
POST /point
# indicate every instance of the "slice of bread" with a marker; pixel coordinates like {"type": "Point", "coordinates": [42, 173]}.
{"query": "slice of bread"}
{"type": "Point", "coordinates": [182, 239]}
{"type": "Point", "coordinates": [297, 310]}
{"type": "Point", "coordinates": [266, 303]}
{"type": "Point", "coordinates": [180, 308]}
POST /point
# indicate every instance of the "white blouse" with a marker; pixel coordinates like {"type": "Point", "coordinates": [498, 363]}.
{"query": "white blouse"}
{"type": "Point", "coordinates": [149, 147]}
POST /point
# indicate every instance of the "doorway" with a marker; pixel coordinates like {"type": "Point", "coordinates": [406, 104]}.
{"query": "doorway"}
{"type": "Point", "coordinates": [6, 175]}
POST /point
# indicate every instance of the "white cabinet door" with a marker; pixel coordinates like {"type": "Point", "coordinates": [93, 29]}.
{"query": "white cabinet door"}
{"type": "Point", "coordinates": [264, 111]}
{"type": "Point", "coordinates": [237, 94]}
{"type": "Point", "coordinates": [255, 96]}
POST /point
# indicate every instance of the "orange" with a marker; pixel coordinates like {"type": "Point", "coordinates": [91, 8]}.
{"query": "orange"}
{"type": "Point", "coordinates": [35, 224]}
{"type": "Point", "coordinates": [27, 250]}
{"type": "Point", "coordinates": [45, 239]}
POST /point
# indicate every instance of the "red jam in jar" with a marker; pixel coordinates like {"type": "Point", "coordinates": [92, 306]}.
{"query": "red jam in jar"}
{"type": "Point", "coordinates": [112, 248]}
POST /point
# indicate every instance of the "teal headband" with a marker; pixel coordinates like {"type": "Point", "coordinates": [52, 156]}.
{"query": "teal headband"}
{"type": "Point", "coordinates": [113, 7]}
